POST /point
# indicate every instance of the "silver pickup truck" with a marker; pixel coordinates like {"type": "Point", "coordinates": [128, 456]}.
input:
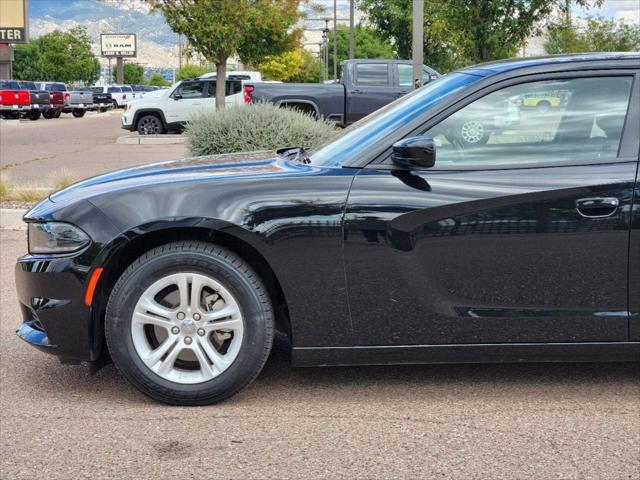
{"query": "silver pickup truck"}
{"type": "Point", "coordinates": [75, 101]}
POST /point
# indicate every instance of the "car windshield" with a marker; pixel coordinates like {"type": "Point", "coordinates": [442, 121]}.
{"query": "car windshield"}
{"type": "Point", "coordinates": [359, 137]}
{"type": "Point", "coordinates": [56, 87]}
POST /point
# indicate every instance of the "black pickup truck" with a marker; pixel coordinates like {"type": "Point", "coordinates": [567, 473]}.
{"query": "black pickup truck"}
{"type": "Point", "coordinates": [365, 86]}
{"type": "Point", "coordinates": [39, 99]}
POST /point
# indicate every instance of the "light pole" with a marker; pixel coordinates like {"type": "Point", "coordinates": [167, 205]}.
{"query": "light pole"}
{"type": "Point", "coordinates": [352, 39]}
{"type": "Point", "coordinates": [418, 42]}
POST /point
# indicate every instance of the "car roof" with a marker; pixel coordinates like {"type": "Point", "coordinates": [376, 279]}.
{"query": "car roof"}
{"type": "Point", "coordinates": [504, 66]}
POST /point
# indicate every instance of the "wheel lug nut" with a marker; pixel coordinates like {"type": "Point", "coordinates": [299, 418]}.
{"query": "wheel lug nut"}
{"type": "Point", "coordinates": [175, 330]}
{"type": "Point", "coordinates": [187, 340]}
{"type": "Point", "coordinates": [201, 332]}
{"type": "Point", "coordinates": [196, 316]}
{"type": "Point", "coordinates": [180, 315]}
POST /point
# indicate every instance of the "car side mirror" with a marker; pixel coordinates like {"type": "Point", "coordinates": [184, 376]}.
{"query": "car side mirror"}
{"type": "Point", "coordinates": [177, 96]}
{"type": "Point", "coordinates": [414, 152]}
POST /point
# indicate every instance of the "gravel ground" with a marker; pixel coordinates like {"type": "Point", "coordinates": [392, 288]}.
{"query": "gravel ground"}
{"type": "Point", "coordinates": [459, 421]}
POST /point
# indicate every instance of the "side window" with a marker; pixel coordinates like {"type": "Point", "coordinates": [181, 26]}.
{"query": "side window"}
{"type": "Point", "coordinates": [555, 122]}
{"type": "Point", "coordinates": [190, 90]}
{"type": "Point", "coordinates": [114, 90]}
{"type": "Point", "coordinates": [375, 74]}
{"type": "Point", "coordinates": [405, 75]}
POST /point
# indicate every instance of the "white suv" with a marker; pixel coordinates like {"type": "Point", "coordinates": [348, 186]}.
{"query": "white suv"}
{"type": "Point", "coordinates": [156, 114]}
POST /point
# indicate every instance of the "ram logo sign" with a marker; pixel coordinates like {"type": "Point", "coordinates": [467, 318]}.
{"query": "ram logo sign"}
{"type": "Point", "coordinates": [118, 44]}
{"type": "Point", "coordinates": [13, 21]}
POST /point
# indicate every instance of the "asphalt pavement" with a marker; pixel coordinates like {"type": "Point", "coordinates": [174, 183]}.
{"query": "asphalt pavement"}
{"type": "Point", "coordinates": [35, 154]}
{"type": "Point", "coordinates": [543, 421]}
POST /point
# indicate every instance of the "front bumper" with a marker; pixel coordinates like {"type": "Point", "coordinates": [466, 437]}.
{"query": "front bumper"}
{"type": "Point", "coordinates": [54, 316]}
{"type": "Point", "coordinates": [127, 120]}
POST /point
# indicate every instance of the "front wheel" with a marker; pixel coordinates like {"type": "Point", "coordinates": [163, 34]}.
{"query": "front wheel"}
{"type": "Point", "coordinates": [150, 125]}
{"type": "Point", "coordinates": [78, 113]}
{"type": "Point", "coordinates": [57, 114]}
{"type": "Point", "coordinates": [189, 323]}
{"type": "Point", "coordinates": [473, 133]}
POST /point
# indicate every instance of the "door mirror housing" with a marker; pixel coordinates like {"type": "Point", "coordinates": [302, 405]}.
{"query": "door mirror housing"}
{"type": "Point", "coordinates": [414, 152]}
{"type": "Point", "coordinates": [177, 96]}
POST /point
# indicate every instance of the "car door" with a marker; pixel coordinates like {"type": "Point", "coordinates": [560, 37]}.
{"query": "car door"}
{"type": "Point", "coordinates": [518, 234]}
{"type": "Point", "coordinates": [186, 100]}
{"type": "Point", "coordinates": [371, 88]}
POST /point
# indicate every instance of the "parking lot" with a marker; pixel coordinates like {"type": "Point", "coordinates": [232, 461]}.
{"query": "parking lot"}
{"type": "Point", "coordinates": [451, 421]}
{"type": "Point", "coordinates": [71, 147]}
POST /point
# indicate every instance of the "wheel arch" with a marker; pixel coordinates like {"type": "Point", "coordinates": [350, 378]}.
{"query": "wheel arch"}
{"type": "Point", "coordinates": [131, 245]}
{"type": "Point", "coordinates": [302, 105]}
{"type": "Point", "coordinates": [146, 111]}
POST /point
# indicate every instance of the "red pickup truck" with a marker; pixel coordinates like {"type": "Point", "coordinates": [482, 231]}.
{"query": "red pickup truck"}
{"type": "Point", "coordinates": [13, 99]}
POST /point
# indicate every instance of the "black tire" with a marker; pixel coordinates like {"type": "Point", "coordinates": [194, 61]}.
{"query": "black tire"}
{"type": "Point", "coordinates": [48, 114]}
{"type": "Point", "coordinates": [57, 114]}
{"type": "Point", "coordinates": [192, 257]}
{"type": "Point", "coordinates": [150, 125]}
{"type": "Point", "coordinates": [33, 115]}
{"type": "Point", "coordinates": [78, 113]}
{"type": "Point", "coordinates": [114, 103]}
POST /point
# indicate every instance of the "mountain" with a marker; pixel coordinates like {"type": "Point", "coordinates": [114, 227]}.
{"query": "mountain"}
{"type": "Point", "coordinates": [157, 44]}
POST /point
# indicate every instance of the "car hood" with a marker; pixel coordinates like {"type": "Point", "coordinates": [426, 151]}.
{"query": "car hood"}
{"type": "Point", "coordinates": [215, 168]}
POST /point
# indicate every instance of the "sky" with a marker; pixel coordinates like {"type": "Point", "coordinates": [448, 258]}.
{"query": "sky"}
{"type": "Point", "coordinates": [626, 10]}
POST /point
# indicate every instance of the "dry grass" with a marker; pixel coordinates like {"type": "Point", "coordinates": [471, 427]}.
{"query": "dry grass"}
{"type": "Point", "coordinates": [4, 188]}
{"type": "Point", "coordinates": [10, 193]}
{"type": "Point", "coordinates": [61, 179]}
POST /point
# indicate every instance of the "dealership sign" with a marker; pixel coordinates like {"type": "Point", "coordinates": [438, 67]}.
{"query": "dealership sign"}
{"type": "Point", "coordinates": [117, 44]}
{"type": "Point", "coordinates": [13, 21]}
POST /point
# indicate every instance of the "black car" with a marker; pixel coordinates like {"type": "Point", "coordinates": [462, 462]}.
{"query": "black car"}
{"type": "Point", "coordinates": [453, 225]}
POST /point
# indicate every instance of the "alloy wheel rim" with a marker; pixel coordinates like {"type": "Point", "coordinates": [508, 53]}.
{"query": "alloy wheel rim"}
{"type": "Point", "coordinates": [187, 328]}
{"type": "Point", "coordinates": [472, 131]}
{"type": "Point", "coordinates": [150, 126]}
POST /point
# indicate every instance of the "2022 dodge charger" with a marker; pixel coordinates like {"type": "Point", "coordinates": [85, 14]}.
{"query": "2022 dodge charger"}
{"type": "Point", "coordinates": [453, 225]}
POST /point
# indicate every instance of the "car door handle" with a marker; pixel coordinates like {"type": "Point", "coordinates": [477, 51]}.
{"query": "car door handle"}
{"type": "Point", "coordinates": [357, 92]}
{"type": "Point", "coordinates": [597, 207]}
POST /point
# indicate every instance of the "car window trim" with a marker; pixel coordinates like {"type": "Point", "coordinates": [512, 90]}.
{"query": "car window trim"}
{"type": "Point", "coordinates": [381, 161]}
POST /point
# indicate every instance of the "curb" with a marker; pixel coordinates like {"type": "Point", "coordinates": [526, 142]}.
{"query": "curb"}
{"type": "Point", "coordinates": [11, 219]}
{"type": "Point", "coordinates": [135, 139]}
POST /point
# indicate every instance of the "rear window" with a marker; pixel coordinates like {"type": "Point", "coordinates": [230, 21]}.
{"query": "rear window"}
{"type": "Point", "coordinates": [9, 85]}
{"type": "Point", "coordinates": [372, 74]}
{"type": "Point", "coordinates": [126, 89]}
{"type": "Point", "coordinates": [55, 87]}
{"type": "Point", "coordinates": [28, 85]}
{"type": "Point", "coordinates": [114, 90]}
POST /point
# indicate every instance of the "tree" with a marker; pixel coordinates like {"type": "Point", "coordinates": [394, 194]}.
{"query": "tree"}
{"type": "Point", "coordinates": [158, 80]}
{"type": "Point", "coordinates": [58, 56]}
{"type": "Point", "coordinates": [219, 29]}
{"type": "Point", "coordinates": [595, 35]}
{"type": "Point", "coordinates": [133, 73]}
{"type": "Point", "coordinates": [368, 44]}
{"type": "Point", "coordinates": [282, 67]}
{"type": "Point", "coordinates": [459, 32]}
{"type": "Point", "coordinates": [309, 70]}
{"type": "Point", "coordinates": [191, 71]}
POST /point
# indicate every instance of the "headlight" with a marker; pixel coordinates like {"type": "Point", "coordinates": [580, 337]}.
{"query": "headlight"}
{"type": "Point", "coordinates": [55, 237]}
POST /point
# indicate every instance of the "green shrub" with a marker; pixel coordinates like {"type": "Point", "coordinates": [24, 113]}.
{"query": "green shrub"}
{"type": "Point", "coordinates": [260, 126]}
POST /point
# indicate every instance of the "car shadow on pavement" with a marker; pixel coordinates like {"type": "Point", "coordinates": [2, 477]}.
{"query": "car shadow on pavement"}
{"type": "Point", "coordinates": [281, 382]}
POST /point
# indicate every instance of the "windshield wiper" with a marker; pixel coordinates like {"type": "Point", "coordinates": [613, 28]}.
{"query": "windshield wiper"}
{"type": "Point", "coordinates": [295, 154]}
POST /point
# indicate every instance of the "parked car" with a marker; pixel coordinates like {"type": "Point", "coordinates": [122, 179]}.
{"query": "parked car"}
{"type": "Point", "coordinates": [39, 100]}
{"type": "Point", "coordinates": [57, 92]}
{"type": "Point", "coordinates": [365, 86]}
{"type": "Point", "coordinates": [250, 75]}
{"type": "Point", "coordinates": [157, 114]}
{"type": "Point", "coordinates": [394, 243]}
{"type": "Point", "coordinates": [76, 102]}
{"type": "Point", "coordinates": [14, 100]}
{"type": "Point", "coordinates": [101, 101]}
{"type": "Point", "coordinates": [119, 95]}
